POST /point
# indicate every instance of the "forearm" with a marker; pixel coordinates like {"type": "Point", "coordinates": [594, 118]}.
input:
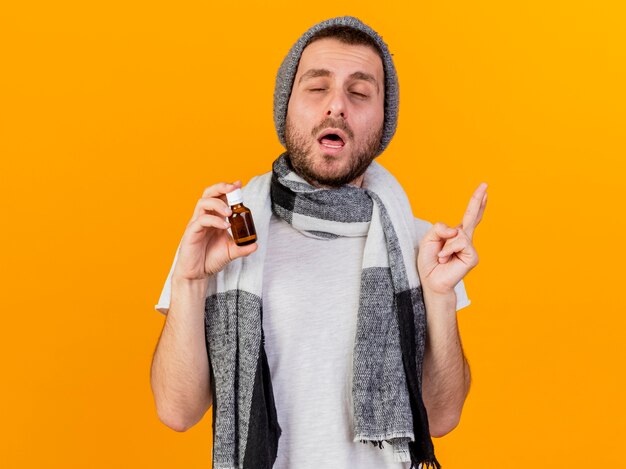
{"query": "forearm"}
{"type": "Point", "coordinates": [446, 376]}
{"type": "Point", "coordinates": [180, 375]}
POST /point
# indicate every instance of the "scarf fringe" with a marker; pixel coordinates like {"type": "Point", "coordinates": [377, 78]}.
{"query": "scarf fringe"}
{"type": "Point", "coordinates": [378, 443]}
{"type": "Point", "coordinates": [426, 464]}
{"type": "Point", "coordinates": [430, 463]}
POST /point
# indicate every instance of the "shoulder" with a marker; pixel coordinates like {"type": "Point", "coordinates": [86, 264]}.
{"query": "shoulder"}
{"type": "Point", "coordinates": [421, 228]}
{"type": "Point", "coordinates": [257, 187]}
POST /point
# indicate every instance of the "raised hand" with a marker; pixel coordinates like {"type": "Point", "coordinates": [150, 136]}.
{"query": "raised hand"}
{"type": "Point", "coordinates": [207, 246]}
{"type": "Point", "coordinates": [447, 254]}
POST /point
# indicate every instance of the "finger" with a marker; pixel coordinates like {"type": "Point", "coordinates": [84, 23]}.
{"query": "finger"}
{"type": "Point", "coordinates": [221, 188]}
{"type": "Point", "coordinates": [482, 209]}
{"type": "Point", "coordinates": [473, 212]}
{"type": "Point", "coordinates": [455, 245]}
{"type": "Point", "coordinates": [214, 205]}
{"type": "Point", "coordinates": [438, 232]}
{"type": "Point", "coordinates": [208, 221]}
{"type": "Point", "coordinates": [460, 247]}
{"type": "Point", "coordinates": [479, 217]}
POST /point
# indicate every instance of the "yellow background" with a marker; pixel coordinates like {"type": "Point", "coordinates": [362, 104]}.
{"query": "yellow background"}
{"type": "Point", "coordinates": [114, 116]}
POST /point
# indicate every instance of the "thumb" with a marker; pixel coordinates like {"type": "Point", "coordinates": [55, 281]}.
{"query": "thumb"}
{"type": "Point", "coordinates": [440, 231]}
{"type": "Point", "coordinates": [242, 251]}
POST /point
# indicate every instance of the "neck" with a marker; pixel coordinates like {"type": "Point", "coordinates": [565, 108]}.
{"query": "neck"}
{"type": "Point", "coordinates": [358, 182]}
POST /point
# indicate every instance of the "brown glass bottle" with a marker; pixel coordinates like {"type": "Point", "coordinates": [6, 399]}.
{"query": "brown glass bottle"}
{"type": "Point", "coordinates": [241, 223]}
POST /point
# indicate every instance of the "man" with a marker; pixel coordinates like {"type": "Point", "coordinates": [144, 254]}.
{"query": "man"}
{"type": "Point", "coordinates": [316, 338]}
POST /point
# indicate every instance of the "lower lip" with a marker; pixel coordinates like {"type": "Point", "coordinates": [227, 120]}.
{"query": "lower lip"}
{"type": "Point", "coordinates": [330, 150]}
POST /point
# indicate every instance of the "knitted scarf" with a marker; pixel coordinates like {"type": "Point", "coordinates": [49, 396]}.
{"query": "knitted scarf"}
{"type": "Point", "coordinates": [391, 320]}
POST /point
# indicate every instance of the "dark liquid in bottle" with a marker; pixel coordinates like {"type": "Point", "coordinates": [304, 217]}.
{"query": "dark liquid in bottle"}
{"type": "Point", "coordinates": [242, 225]}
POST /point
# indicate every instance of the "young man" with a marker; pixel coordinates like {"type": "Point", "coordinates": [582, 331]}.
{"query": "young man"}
{"type": "Point", "coordinates": [339, 326]}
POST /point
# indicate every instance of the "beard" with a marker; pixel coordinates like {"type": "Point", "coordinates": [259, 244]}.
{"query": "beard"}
{"type": "Point", "coordinates": [300, 155]}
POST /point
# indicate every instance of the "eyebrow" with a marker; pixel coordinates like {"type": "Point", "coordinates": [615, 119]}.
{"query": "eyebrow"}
{"type": "Point", "coordinates": [322, 72]}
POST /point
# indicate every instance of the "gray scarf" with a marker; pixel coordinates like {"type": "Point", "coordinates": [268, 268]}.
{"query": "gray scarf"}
{"type": "Point", "coordinates": [391, 321]}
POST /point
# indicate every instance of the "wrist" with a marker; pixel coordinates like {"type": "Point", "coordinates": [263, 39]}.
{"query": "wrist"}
{"type": "Point", "coordinates": [442, 298]}
{"type": "Point", "coordinates": [189, 287]}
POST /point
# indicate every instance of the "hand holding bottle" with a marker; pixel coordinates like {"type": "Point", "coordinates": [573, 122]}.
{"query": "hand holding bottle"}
{"type": "Point", "coordinates": [207, 246]}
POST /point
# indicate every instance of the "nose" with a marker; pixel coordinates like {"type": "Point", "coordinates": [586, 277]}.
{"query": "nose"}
{"type": "Point", "coordinates": [336, 106]}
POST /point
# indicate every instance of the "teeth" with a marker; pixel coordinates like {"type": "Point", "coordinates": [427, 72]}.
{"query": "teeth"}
{"type": "Point", "coordinates": [331, 146]}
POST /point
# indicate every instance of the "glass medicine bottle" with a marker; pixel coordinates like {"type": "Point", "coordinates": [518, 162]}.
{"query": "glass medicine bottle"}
{"type": "Point", "coordinates": [241, 223]}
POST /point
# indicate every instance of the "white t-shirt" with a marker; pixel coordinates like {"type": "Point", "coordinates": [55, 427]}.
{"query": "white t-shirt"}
{"type": "Point", "coordinates": [309, 321]}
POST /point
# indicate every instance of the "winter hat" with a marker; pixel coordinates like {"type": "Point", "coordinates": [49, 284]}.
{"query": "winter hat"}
{"type": "Point", "coordinates": [289, 66]}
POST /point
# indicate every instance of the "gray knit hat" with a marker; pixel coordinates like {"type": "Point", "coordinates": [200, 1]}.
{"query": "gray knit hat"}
{"type": "Point", "coordinates": [289, 66]}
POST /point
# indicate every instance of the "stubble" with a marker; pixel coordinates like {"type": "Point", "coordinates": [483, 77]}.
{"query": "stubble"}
{"type": "Point", "coordinates": [300, 152]}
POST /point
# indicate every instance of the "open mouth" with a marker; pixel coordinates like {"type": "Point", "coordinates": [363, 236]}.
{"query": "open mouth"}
{"type": "Point", "coordinates": [331, 140]}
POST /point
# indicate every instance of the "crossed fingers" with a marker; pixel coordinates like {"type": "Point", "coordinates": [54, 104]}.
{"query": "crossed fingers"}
{"type": "Point", "coordinates": [462, 242]}
{"type": "Point", "coordinates": [475, 209]}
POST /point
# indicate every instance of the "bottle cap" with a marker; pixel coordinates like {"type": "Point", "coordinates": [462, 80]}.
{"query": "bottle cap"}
{"type": "Point", "coordinates": [235, 197]}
